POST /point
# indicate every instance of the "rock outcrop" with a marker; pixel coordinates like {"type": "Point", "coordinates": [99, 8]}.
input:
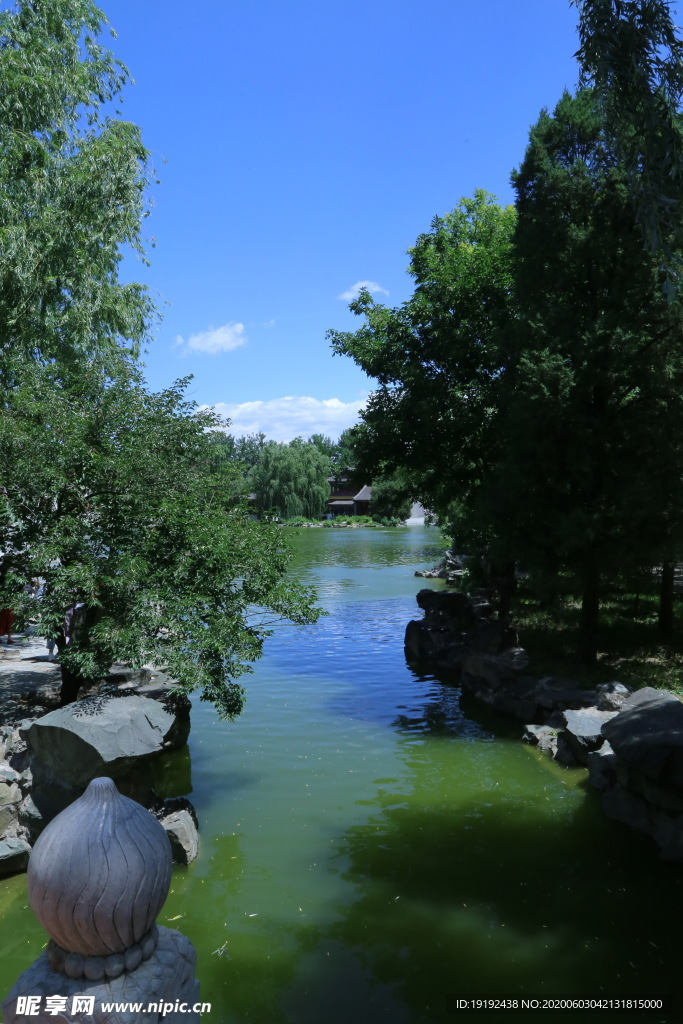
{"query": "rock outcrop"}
{"type": "Point", "coordinates": [630, 742]}
{"type": "Point", "coordinates": [642, 783]}
{"type": "Point", "coordinates": [102, 735]}
{"type": "Point", "coordinates": [454, 626]}
{"type": "Point", "coordinates": [118, 729]}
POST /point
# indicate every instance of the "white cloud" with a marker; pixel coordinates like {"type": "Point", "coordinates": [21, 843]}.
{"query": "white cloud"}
{"type": "Point", "coordinates": [370, 286]}
{"type": "Point", "coordinates": [282, 419]}
{"type": "Point", "coordinates": [215, 340]}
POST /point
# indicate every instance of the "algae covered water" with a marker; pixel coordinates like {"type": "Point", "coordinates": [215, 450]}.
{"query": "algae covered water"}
{"type": "Point", "coordinates": [372, 850]}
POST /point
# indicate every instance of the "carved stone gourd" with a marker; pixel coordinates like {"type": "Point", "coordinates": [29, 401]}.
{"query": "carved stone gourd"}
{"type": "Point", "coordinates": [97, 878]}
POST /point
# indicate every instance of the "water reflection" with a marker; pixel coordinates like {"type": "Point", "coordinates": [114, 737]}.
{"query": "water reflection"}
{"type": "Point", "coordinates": [495, 892]}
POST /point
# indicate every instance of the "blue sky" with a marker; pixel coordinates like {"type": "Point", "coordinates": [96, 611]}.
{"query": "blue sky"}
{"type": "Point", "coordinates": [301, 147]}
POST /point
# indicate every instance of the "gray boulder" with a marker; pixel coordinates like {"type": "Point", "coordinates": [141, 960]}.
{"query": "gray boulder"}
{"type": "Point", "coordinates": [492, 679]}
{"type": "Point", "coordinates": [31, 818]}
{"type": "Point", "coordinates": [542, 736]}
{"type": "Point", "coordinates": [179, 819]}
{"type": "Point", "coordinates": [602, 767]}
{"type": "Point", "coordinates": [555, 693]}
{"type": "Point", "coordinates": [10, 798]}
{"type": "Point", "coordinates": [101, 736]}
{"type": "Point", "coordinates": [661, 794]}
{"type": "Point", "coordinates": [120, 673]}
{"type": "Point", "coordinates": [8, 775]}
{"type": "Point", "coordinates": [646, 695]}
{"type": "Point", "coordinates": [611, 696]}
{"type": "Point", "coordinates": [622, 805]}
{"type": "Point", "coordinates": [583, 730]}
{"type": "Point", "coordinates": [647, 734]}
{"type": "Point", "coordinates": [514, 657]}
{"type": "Point", "coordinates": [565, 752]}
{"type": "Point", "coordinates": [489, 637]}
{"type": "Point", "coordinates": [14, 855]}
{"type": "Point", "coordinates": [182, 832]}
{"type": "Point", "coordinates": [445, 603]}
{"type": "Point", "coordinates": [435, 643]}
{"type": "Point", "coordinates": [635, 811]}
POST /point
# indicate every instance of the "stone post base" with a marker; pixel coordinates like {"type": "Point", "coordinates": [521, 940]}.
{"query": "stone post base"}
{"type": "Point", "coordinates": [159, 986]}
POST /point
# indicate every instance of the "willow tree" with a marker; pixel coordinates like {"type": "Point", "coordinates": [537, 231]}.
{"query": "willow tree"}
{"type": "Point", "coordinates": [115, 496]}
{"type": "Point", "coordinates": [119, 499]}
{"type": "Point", "coordinates": [292, 479]}
{"type": "Point", "coordinates": [73, 190]}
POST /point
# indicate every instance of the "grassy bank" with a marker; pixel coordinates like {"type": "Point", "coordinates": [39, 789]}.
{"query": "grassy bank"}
{"type": "Point", "coordinates": [342, 521]}
{"type": "Point", "coordinates": [632, 649]}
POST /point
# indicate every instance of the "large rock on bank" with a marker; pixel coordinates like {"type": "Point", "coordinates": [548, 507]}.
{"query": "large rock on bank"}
{"type": "Point", "coordinates": [643, 787]}
{"type": "Point", "coordinates": [647, 734]}
{"type": "Point", "coordinates": [103, 735]}
{"type": "Point", "coordinates": [454, 627]}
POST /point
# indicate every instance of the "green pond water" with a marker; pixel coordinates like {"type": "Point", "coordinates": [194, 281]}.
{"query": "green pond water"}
{"type": "Point", "coordinates": [372, 850]}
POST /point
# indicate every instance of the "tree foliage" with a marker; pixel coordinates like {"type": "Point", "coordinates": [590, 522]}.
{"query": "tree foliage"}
{"type": "Point", "coordinates": [345, 454]}
{"type": "Point", "coordinates": [73, 189]}
{"type": "Point", "coordinates": [116, 498]}
{"type": "Point", "coordinates": [247, 448]}
{"type": "Point", "coordinates": [390, 498]}
{"type": "Point", "coordinates": [441, 360]}
{"type": "Point", "coordinates": [632, 56]}
{"type": "Point", "coordinates": [593, 463]}
{"type": "Point", "coordinates": [530, 389]}
{"type": "Point", "coordinates": [122, 501]}
{"type": "Point", "coordinates": [292, 479]}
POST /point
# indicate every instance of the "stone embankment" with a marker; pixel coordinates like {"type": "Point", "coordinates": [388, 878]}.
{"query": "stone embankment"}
{"type": "Point", "coordinates": [49, 755]}
{"type": "Point", "coordinates": [451, 569]}
{"type": "Point", "coordinates": [631, 743]}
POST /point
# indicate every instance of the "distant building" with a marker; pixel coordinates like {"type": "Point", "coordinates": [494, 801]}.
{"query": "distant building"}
{"type": "Point", "coordinates": [349, 496]}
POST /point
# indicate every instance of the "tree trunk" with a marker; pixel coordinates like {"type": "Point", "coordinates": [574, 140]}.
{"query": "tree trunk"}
{"type": "Point", "coordinates": [71, 685]}
{"type": "Point", "coordinates": [507, 585]}
{"type": "Point", "coordinates": [666, 600]}
{"type": "Point", "coordinates": [590, 614]}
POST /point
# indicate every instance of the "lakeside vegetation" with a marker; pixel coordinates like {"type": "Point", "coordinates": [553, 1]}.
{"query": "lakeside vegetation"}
{"type": "Point", "coordinates": [529, 392]}
{"type": "Point", "coordinates": [114, 496]}
{"type": "Point", "coordinates": [531, 389]}
{"type": "Point", "coordinates": [632, 648]}
{"type": "Point", "coordinates": [345, 521]}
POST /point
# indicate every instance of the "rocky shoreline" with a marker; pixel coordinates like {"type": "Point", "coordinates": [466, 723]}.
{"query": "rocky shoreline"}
{"type": "Point", "coordinates": [630, 743]}
{"type": "Point", "coordinates": [120, 728]}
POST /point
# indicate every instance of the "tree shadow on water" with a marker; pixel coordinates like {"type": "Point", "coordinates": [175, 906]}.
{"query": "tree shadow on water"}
{"type": "Point", "coordinates": [509, 900]}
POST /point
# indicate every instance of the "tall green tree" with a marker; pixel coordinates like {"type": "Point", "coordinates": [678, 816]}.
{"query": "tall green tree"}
{"type": "Point", "coordinates": [390, 498]}
{"type": "Point", "coordinates": [324, 444]}
{"type": "Point", "coordinates": [591, 478]}
{"type": "Point", "coordinates": [632, 56]}
{"type": "Point", "coordinates": [292, 479]}
{"type": "Point", "coordinates": [73, 190]}
{"type": "Point", "coordinates": [120, 501]}
{"type": "Point", "coordinates": [248, 448]}
{"type": "Point", "coordinates": [345, 456]}
{"type": "Point", "coordinates": [441, 361]}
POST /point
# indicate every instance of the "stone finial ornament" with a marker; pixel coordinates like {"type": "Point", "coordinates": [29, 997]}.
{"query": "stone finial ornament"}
{"type": "Point", "coordinates": [97, 878]}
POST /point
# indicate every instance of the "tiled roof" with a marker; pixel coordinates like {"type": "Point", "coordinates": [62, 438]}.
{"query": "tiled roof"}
{"type": "Point", "coordinates": [364, 494]}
